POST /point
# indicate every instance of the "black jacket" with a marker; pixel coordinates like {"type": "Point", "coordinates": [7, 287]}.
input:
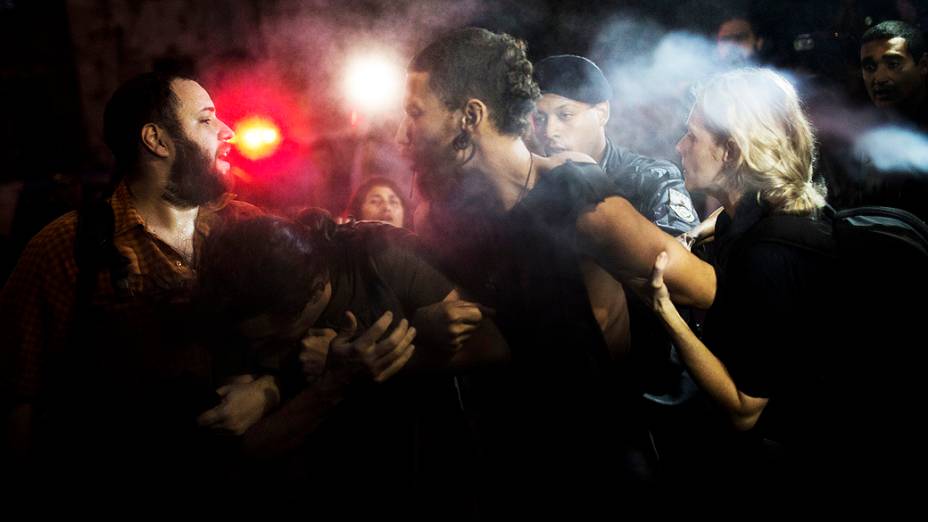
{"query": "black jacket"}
{"type": "Point", "coordinates": [655, 188]}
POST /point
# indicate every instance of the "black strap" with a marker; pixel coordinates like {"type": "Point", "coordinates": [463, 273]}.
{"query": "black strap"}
{"type": "Point", "coordinates": [796, 231]}
{"type": "Point", "coordinates": [896, 221]}
{"type": "Point", "coordinates": [94, 250]}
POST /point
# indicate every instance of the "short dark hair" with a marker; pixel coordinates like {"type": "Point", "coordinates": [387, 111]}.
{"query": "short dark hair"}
{"type": "Point", "coordinates": [264, 264]}
{"type": "Point", "coordinates": [738, 14]}
{"type": "Point", "coordinates": [476, 63]}
{"type": "Point", "coordinates": [357, 199]}
{"type": "Point", "coordinates": [573, 77]}
{"type": "Point", "coordinates": [895, 28]}
{"type": "Point", "coordinates": [147, 98]}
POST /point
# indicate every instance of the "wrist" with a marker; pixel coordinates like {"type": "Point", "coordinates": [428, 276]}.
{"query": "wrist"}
{"type": "Point", "coordinates": [688, 239]}
{"type": "Point", "coordinates": [336, 378]}
{"type": "Point", "coordinates": [271, 391]}
{"type": "Point", "coordinates": [665, 308]}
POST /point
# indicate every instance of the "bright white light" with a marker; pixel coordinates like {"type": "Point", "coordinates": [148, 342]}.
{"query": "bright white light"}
{"type": "Point", "coordinates": [373, 84]}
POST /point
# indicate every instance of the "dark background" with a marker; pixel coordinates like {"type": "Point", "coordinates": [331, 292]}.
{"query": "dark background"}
{"type": "Point", "coordinates": [62, 59]}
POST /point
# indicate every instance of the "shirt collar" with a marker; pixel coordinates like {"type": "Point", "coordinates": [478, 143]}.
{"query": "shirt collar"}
{"type": "Point", "coordinates": [126, 216]}
{"type": "Point", "coordinates": [750, 209]}
{"type": "Point", "coordinates": [209, 213]}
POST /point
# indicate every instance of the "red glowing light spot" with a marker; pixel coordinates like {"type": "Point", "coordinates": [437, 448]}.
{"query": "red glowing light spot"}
{"type": "Point", "coordinates": [256, 137]}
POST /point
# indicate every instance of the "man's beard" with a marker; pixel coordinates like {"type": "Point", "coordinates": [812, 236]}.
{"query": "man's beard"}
{"type": "Point", "coordinates": [436, 173]}
{"type": "Point", "coordinates": [194, 179]}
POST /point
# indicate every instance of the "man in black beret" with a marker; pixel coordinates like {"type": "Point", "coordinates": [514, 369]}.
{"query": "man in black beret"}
{"type": "Point", "coordinates": [571, 116]}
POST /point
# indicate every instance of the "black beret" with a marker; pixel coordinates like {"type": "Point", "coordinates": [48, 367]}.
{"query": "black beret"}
{"type": "Point", "coordinates": [572, 77]}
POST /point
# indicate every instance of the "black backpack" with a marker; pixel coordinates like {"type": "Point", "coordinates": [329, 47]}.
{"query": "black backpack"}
{"type": "Point", "coordinates": [873, 315]}
{"type": "Point", "coordinates": [880, 257]}
{"type": "Point", "coordinates": [884, 233]}
{"type": "Point", "coordinates": [882, 251]}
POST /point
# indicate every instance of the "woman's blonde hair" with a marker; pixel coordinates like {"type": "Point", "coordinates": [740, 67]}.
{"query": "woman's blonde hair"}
{"type": "Point", "coordinates": [758, 111]}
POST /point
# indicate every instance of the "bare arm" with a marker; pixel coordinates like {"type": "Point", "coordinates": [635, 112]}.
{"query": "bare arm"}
{"type": "Point", "coordinates": [625, 244]}
{"type": "Point", "coordinates": [708, 371]}
{"type": "Point", "coordinates": [703, 232]}
{"type": "Point", "coordinates": [285, 429]}
{"type": "Point", "coordinates": [373, 354]}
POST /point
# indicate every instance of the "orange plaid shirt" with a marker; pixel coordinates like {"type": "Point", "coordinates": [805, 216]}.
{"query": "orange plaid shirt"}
{"type": "Point", "coordinates": [37, 304]}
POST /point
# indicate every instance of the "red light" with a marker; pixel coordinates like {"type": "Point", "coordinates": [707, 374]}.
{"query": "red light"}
{"type": "Point", "coordinates": [256, 137]}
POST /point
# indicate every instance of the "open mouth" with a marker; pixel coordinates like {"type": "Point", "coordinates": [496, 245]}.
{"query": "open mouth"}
{"type": "Point", "coordinates": [222, 159]}
{"type": "Point", "coordinates": [883, 94]}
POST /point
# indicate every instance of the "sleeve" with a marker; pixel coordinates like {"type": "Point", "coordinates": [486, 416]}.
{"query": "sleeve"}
{"type": "Point", "coordinates": [37, 307]}
{"type": "Point", "coordinates": [414, 281]}
{"type": "Point", "coordinates": [562, 193]}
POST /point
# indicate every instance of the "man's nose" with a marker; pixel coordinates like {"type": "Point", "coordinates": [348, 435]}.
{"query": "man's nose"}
{"type": "Point", "coordinates": [552, 128]}
{"type": "Point", "coordinates": [881, 75]}
{"type": "Point", "coordinates": [225, 132]}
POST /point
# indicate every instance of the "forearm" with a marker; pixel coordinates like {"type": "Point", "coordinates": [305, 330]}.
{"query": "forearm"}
{"type": "Point", "coordinates": [709, 372]}
{"type": "Point", "coordinates": [287, 428]}
{"type": "Point", "coordinates": [706, 228]}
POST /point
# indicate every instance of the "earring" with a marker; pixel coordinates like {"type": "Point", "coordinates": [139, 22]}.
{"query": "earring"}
{"type": "Point", "coordinates": [461, 141]}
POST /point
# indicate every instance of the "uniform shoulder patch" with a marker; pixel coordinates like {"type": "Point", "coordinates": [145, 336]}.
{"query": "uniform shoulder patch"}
{"type": "Point", "coordinates": [681, 205]}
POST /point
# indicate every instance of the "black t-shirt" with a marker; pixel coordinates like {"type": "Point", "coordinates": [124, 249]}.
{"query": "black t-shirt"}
{"type": "Point", "coordinates": [377, 269]}
{"type": "Point", "coordinates": [769, 323]}
{"type": "Point", "coordinates": [524, 264]}
{"type": "Point", "coordinates": [795, 321]}
{"type": "Point", "coordinates": [556, 418]}
{"type": "Point", "coordinates": [406, 434]}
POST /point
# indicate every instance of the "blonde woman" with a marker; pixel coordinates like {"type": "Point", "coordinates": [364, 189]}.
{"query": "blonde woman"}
{"type": "Point", "coordinates": [749, 144]}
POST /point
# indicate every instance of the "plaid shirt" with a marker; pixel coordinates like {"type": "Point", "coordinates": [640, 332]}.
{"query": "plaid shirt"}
{"type": "Point", "coordinates": [37, 305]}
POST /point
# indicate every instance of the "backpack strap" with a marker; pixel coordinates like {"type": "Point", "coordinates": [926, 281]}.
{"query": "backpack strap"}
{"type": "Point", "coordinates": [94, 250]}
{"type": "Point", "coordinates": [899, 227]}
{"type": "Point", "coordinates": [796, 231]}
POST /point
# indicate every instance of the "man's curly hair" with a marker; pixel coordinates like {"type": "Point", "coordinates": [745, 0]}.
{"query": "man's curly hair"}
{"type": "Point", "coordinates": [476, 63]}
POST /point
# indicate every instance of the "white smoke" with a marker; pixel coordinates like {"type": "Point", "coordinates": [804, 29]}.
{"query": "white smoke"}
{"type": "Point", "coordinates": [894, 149]}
